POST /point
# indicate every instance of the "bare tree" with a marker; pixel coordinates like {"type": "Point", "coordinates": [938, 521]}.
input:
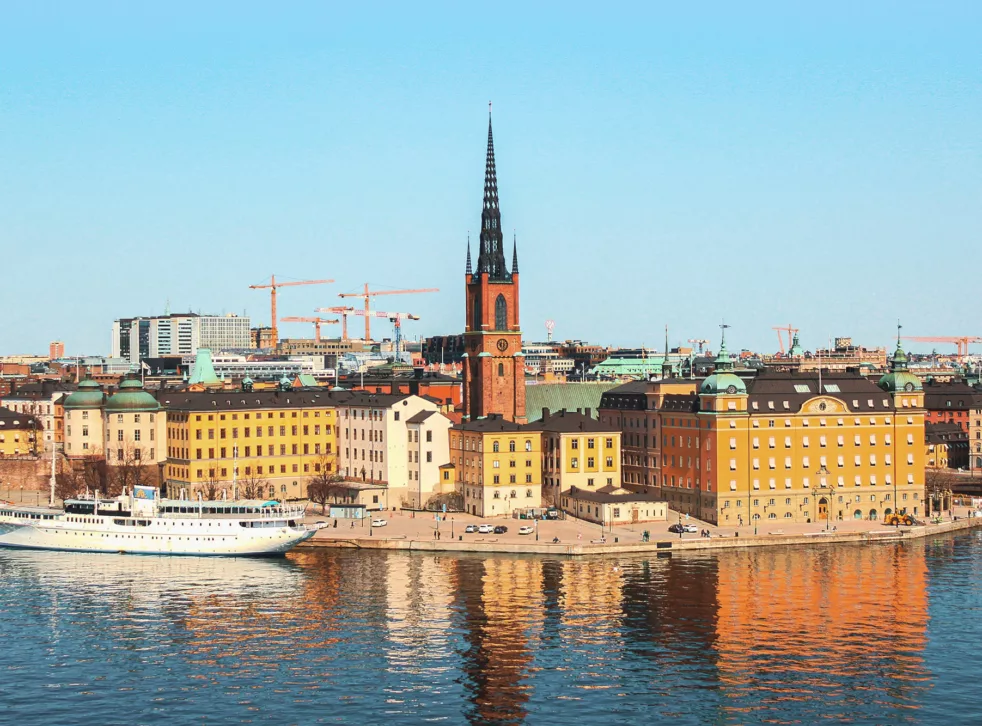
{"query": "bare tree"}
{"type": "Point", "coordinates": [127, 468]}
{"type": "Point", "coordinates": [252, 486]}
{"type": "Point", "coordinates": [211, 487]}
{"type": "Point", "coordinates": [326, 484]}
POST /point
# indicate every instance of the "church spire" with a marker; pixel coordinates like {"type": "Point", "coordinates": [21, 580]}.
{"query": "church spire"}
{"type": "Point", "coordinates": [468, 270]}
{"type": "Point", "coordinates": [514, 254]}
{"type": "Point", "coordinates": [491, 257]}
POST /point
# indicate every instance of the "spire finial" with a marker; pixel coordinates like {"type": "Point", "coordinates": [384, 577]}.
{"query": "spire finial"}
{"type": "Point", "coordinates": [899, 327]}
{"type": "Point", "coordinates": [489, 110]}
{"type": "Point", "coordinates": [666, 339]}
{"type": "Point", "coordinates": [723, 326]}
{"type": "Point", "coordinates": [514, 253]}
{"type": "Point", "coordinates": [468, 270]}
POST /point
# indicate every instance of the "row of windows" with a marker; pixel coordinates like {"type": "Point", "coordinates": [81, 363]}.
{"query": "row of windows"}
{"type": "Point", "coordinates": [247, 432]}
{"type": "Point", "coordinates": [258, 415]}
{"type": "Point", "coordinates": [246, 451]}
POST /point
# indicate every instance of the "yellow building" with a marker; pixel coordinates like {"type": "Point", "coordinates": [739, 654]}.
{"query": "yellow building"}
{"type": "Point", "coordinates": [273, 441]}
{"type": "Point", "coordinates": [795, 447]}
{"type": "Point", "coordinates": [20, 434]}
{"type": "Point", "coordinates": [498, 465]}
{"type": "Point", "coordinates": [577, 451]}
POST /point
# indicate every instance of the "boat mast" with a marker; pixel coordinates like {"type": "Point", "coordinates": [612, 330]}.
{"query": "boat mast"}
{"type": "Point", "coordinates": [51, 481]}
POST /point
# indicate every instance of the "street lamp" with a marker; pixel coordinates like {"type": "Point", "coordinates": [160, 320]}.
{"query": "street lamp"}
{"type": "Point", "coordinates": [823, 472]}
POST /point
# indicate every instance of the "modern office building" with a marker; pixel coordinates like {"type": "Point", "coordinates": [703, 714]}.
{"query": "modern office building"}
{"type": "Point", "coordinates": [178, 334]}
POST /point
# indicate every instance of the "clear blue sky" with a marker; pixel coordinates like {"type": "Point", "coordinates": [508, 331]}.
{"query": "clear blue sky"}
{"type": "Point", "coordinates": [816, 165]}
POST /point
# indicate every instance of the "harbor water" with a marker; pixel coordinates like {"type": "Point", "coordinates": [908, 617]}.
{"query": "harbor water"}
{"type": "Point", "coordinates": [882, 633]}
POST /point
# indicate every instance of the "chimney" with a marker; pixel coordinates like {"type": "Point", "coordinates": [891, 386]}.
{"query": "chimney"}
{"type": "Point", "coordinates": [586, 412]}
{"type": "Point", "coordinates": [545, 414]}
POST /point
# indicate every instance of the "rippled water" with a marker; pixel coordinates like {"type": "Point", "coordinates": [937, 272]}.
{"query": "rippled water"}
{"type": "Point", "coordinates": [870, 634]}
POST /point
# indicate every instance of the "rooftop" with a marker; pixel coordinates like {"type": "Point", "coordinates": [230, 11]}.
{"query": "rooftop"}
{"type": "Point", "coordinates": [567, 422]}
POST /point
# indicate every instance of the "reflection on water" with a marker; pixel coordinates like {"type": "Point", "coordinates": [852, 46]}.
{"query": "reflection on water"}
{"type": "Point", "coordinates": [855, 633]}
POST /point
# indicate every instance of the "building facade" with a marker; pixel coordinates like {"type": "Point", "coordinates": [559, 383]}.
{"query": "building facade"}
{"type": "Point", "coordinates": [126, 429]}
{"type": "Point", "coordinates": [493, 363]}
{"type": "Point", "coordinates": [498, 466]}
{"type": "Point", "coordinates": [136, 339]}
{"type": "Point", "coordinates": [270, 442]}
{"type": "Point", "coordinates": [20, 434]}
{"type": "Point", "coordinates": [783, 445]}
{"type": "Point", "coordinates": [428, 439]}
{"type": "Point", "coordinates": [373, 440]}
{"type": "Point", "coordinates": [42, 400]}
{"type": "Point", "coordinates": [577, 451]}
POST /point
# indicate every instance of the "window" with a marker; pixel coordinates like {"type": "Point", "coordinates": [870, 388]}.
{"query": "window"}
{"type": "Point", "coordinates": [495, 447]}
{"type": "Point", "coordinates": [500, 313]}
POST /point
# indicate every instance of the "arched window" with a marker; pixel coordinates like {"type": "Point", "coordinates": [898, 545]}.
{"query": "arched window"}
{"type": "Point", "coordinates": [511, 445]}
{"type": "Point", "coordinates": [494, 447]}
{"type": "Point", "coordinates": [501, 369]}
{"type": "Point", "coordinates": [514, 494]}
{"type": "Point", "coordinates": [500, 313]}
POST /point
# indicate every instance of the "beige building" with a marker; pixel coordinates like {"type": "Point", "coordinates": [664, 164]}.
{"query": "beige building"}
{"type": "Point", "coordinates": [613, 506]}
{"type": "Point", "coordinates": [127, 428]}
{"type": "Point", "coordinates": [498, 466]}
{"type": "Point", "coordinates": [577, 451]}
{"type": "Point", "coordinates": [373, 439]}
{"type": "Point", "coordinates": [428, 439]}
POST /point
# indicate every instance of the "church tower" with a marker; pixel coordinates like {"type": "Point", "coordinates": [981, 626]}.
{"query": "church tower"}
{"type": "Point", "coordinates": [494, 366]}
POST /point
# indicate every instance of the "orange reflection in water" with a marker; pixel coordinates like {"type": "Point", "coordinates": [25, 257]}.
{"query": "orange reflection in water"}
{"type": "Point", "coordinates": [839, 618]}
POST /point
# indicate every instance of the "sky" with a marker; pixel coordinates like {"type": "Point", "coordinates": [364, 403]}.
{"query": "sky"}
{"type": "Point", "coordinates": [811, 164]}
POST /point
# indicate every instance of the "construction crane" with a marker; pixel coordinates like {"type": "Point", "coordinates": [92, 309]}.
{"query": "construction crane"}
{"type": "Point", "coordinates": [700, 342]}
{"type": "Point", "coordinates": [785, 329]}
{"type": "Point", "coordinates": [369, 295]}
{"type": "Point", "coordinates": [395, 318]}
{"type": "Point", "coordinates": [318, 322]}
{"type": "Point", "coordinates": [344, 312]}
{"type": "Point", "coordinates": [272, 286]}
{"type": "Point", "coordinates": [960, 341]}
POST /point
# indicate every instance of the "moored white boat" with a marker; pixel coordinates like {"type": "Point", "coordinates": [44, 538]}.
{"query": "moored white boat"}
{"type": "Point", "coordinates": [142, 523]}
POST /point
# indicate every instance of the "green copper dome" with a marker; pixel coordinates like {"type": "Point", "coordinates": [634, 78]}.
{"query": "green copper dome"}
{"type": "Point", "coordinates": [131, 397]}
{"type": "Point", "coordinates": [723, 379]}
{"type": "Point", "coordinates": [899, 378]}
{"type": "Point", "coordinates": [88, 395]}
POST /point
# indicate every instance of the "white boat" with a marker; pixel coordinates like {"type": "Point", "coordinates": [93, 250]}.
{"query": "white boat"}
{"type": "Point", "coordinates": [142, 523]}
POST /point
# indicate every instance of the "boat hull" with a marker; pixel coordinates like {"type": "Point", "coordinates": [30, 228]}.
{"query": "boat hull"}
{"type": "Point", "coordinates": [154, 541]}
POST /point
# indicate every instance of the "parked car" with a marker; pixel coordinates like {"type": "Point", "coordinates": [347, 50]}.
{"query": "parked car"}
{"type": "Point", "coordinates": [500, 529]}
{"type": "Point", "coordinates": [486, 529]}
{"type": "Point", "coordinates": [379, 522]}
{"type": "Point", "coordinates": [677, 528]}
{"type": "Point", "coordinates": [526, 530]}
{"type": "Point", "coordinates": [690, 528]}
{"type": "Point", "coordinates": [470, 528]}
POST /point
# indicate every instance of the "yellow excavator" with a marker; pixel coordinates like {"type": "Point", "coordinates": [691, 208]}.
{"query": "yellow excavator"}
{"type": "Point", "coordinates": [895, 519]}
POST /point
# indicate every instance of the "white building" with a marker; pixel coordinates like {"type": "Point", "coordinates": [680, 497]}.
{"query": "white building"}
{"type": "Point", "coordinates": [428, 439]}
{"type": "Point", "coordinates": [373, 440]}
{"type": "Point", "coordinates": [178, 334]}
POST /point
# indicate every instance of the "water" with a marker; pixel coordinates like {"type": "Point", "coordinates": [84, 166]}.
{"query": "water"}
{"type": "Point", "coordinates": [867, 634]}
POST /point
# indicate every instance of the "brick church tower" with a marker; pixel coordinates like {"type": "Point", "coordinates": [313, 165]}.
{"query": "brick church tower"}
{"type": "Point", "coordinates": [494, 366]}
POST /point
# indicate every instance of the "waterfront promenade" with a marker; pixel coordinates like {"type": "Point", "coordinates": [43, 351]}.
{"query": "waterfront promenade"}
{"type": "Point", "coordinates": [422, 532]}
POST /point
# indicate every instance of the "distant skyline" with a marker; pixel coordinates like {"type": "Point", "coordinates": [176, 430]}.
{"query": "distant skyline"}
{"type": "Point", "coordinates": [766, 164]}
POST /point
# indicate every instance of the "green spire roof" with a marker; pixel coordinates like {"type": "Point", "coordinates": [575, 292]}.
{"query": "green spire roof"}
{"type": "Point", "coordinates": [203, 371]}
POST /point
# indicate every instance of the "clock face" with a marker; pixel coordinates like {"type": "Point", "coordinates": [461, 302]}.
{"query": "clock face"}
{"type": "Point", "coordinates": [909, 387]}
{"type": "Point", "coordinates": [502, 345]}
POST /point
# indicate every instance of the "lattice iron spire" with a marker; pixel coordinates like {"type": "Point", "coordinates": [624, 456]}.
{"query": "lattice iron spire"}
{"type": "Point", "coordinates": [468, 270]}
{"type": "Point", "coordinates": [491, 258]}
{"type": "Point", "coordinates": [514, 254]}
